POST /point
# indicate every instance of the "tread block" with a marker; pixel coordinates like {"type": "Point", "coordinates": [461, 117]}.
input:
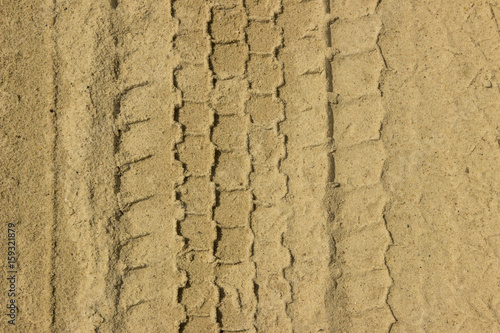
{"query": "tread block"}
{"type": "Point", "coordinates": [272, 315]}
{"type": "Point", "coordinates": [200, 298]}
{"type": "Point", "coordinates": [364, 250]}
{"type": "Point", "coordinates": [237, 304]}
{"type": "Point", "coordinates": [199, 231]}
{"type": "Point", "coordinates": [192, 14]}
{"type": "Point", "coordinates": [139, 181]}
{"type": "Point", "coordinates": [137, 140]}
{"type": "Point", "coordinates": [139, 103]}
{"type": "Point", "coordinates": [271, 257]}
{"type": "Point", "coordinates": [135, 15]}
{"type": "Point", "coordinates": [229, 96]}
{"type": "Point", "coordinates": [275, 289]}
{"type": "Point", "coordinates": [266, 148]}
{"type": "Point", "coordinates": [228, 4]}
{"type": "Point", "coordinates": [148, 317]}
{"type": "Point", "coordinates": [355, 36]}
{"type": "Point", "coordinates": [269, 187]}
{"type": "Point", "coordinates": [353, 8]}
{"type": "Point", "coordinates": [229, 60]}
{"type": "Point", "coordinates": [234, 245]}
{"type": "Point", "coordinates": [270, 222]}
{"type": "Point", "coordinates": [370, 202]}
{"type": "Point", "coordinates": [198, 195]}
{"type": "Point", "coordinates": [196, 118]}
{"type": "Point", "coordinates": [314, 163]}
{"type": "Point", "coordinates": [194, 81]}
{"type": "Point", "coordinates": [264, 73]}
{"type": "Point", "coordinates": [358, 121]}
{"type": "Point", "coordinates": [139, 66]}
{"type": "Point", "coordinates": [265, 111]}
{"type": "Point", "coordinates": [369, 290]}
{"type": "Point", "coordinates": [228, 25]}
{"type": "Point", "coordinates": [262, 8]}
{"type": "Point", "coordinates": [200, 325]}
{"type": "Point", "coordinates": [360, 165]}
{"type": "Point", "coordinates": [140, 252]}
{"type": "Point", "coordinates": [376, 320]}
{"type": "Point", "coordinates": [197, 153]}
{"type": "Point", "coordinates": [233, 209]}
{"type": "Point", "coordinates": [309, 62]}
{"type": "Point", "coordinates": [199, 265]}
{"type": "Point", "coordinates": [142, 285]}
{"type": "Point", "coordinates": [136, 287]}
{"type": "Point", "coordinates": [263, 36]}
{"type": "Point", "coordinates": [232, 170]}
{"type": "Point", "coordinates": [357, 76]}
{"type": "Point", "coordinates": [143, 217]}
{"type": "Point", "coordinates": [304, 100]}
{"type": "Point", "coordinates": [230, 133]}
{"type": "Point", "coordinates": [313, 126]}
{"type": "Point", "coordinates": [188, 45]}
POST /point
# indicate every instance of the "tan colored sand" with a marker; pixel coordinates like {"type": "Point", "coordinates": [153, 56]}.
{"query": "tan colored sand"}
{"type": "Point", "coordinates": [251, 165]}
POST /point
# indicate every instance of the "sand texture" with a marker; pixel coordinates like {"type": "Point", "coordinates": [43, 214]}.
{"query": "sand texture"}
{"type": "Point", "coordinates": [250, 166]}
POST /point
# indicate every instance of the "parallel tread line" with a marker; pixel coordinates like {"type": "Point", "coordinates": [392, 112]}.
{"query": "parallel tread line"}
{"type": "Point", "coordinates": [186, 133]}
{"type": "Point", "coordinates": [226, 76]}
{"type": "Point", "coordinates": [285, 321]}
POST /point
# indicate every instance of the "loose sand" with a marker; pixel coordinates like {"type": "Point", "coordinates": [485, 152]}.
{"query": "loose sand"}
{"type": "Point", "coordinates": [250, 166]}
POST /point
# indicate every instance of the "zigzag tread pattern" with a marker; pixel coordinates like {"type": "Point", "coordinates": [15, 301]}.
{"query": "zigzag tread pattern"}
{"type": "Point", "coordinates": [235, 271]}
{"type": "Point", "coordinates": [194, 80]}
{"type": "Point", "coordinates": [268, 183]}
{"type": "Point", "coordinates": [355, 64]}
{"type": "Point", "coordinates": [145, 137]}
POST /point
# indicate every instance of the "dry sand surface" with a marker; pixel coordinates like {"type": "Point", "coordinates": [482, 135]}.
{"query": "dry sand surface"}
{"type": "Point", "coordinates": [250, 166]}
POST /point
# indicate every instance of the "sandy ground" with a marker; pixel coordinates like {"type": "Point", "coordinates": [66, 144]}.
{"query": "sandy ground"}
{"type": "Point", "coordinates": [250, 166]}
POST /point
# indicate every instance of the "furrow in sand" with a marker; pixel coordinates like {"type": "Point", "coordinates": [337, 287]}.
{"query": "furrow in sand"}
{"type": "Point", "coordinates": [235, 271]}
{"type": "Point", "coordinates": [145, 280]}
{"type": "Point", "coordinates": [308, 163]}
{"type": "Point", "coordinates": [84, 197]}
{"type": "Point", "coordinates": [55, 172]}
{"type": "Point", "coordinates": [194, 79]}
{"type": "Point", "coordinates": [359, 302]}
{"type": "Point", "coordinates": [268, 183]}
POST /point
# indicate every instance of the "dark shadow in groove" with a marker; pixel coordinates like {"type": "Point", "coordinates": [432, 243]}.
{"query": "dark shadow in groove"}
{"type": "Point", "coordinates": [328, 34]}
{"type": "Point", "coordinates": [114, 3]}
{"type": "Point", "coordinates": [327, 6]}
{"type": "Point", "coordinates": [217, 239]}
{"type": "Point", "coordinates": [329, 114]}
{"type": "Point", "coordinates": [329, 79]}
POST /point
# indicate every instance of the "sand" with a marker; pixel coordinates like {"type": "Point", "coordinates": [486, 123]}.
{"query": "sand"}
{"type": "Point", "coordinates": [250, 166]}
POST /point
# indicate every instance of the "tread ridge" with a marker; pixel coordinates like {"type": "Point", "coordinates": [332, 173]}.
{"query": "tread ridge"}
{"type": "Point", "coordinates": [235, 270]}
{"type": "Point", "coordinates": [308, 163]}
{"type": "Point", "coordinates": [180, 166]}
{"type": "Point", "coordinates": [352, 42]}
{"type": "Point", "coordinates": [195, 116]}
{"type": "Point", "coordinates": [146, 240]}
{"type": "Point", "coordinates": [274, 290]}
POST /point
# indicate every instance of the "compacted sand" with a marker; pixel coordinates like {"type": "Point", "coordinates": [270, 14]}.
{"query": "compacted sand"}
{"type": "Point", "coordinates": [250, 166]}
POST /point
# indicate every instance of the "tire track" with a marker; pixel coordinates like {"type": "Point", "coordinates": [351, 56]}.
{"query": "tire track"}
{"type": "Point", "coordinates": [268, 183]}
{"type": "Point", "coordinates": [146, 280]}
{"type": "Point", "coordinates": [84, 197]}
{"type": "Point", "coordinates": [356, 64]}
{"type": "Point", "coordinates": [193, 78]}
{"type": "Point", "coordinates": [235, 271]}
{"type": "Point", "coordinates": [308, 164]}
